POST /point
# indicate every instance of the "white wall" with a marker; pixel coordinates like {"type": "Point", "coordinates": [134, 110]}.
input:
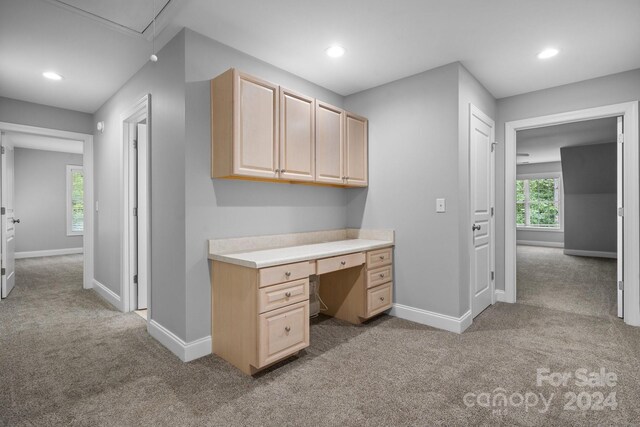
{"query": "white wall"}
{"type": "Point", "coordinates": [613, 89]}
{"type": "Point", "coordinates": [40, 200]}
{"type": "Point", "coordinates": [28, 113]}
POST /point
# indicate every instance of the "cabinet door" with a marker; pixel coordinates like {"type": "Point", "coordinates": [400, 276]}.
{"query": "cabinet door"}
{"type": "Point", "coordinates": [329, 144]}
{"type": "Point", "coordinates": [356, 150]}
{"type": "Point", "coordinates": [255, 127]}
{"type": "Point", "coordinates": [297, 136]}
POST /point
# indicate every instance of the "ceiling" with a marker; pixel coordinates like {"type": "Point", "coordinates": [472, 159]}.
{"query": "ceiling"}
{"type": "Point", "coordinates": [497, 41]}
{"type": "Point", "coordinates": [543, 144]}
{"type": "Point", "coordinates": [40, 142]}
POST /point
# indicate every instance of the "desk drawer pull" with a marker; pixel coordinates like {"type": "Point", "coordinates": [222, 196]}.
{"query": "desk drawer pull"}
{"type": "Point", "coordinates": [381, 298]}
{"type": "Point", "coordinates": [343, 262]}
{"type": "Point", "coordinates": [381, 275]}
{"type": "Point", "coordinates": [287, 328]}
{"type": "Point", "coordinates": [287, 294]}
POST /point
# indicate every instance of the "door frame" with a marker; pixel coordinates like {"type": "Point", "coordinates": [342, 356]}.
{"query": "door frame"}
{"type": "Point", "coordinates": [629, 110]}
{"type": "Point", "coordinates": [87, 163]}
{"type": "Point", "coordinates": [475, 111]}
{"type": "Point", "coordinates": [139, 111]}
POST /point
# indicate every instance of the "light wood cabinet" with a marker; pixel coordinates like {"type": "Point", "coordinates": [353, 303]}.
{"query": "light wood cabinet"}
{"type": "Point", "coordinates": [329, 144]}
{"type": "Point", "coordinates": [297, 136]}
{"type": "Point", "coordinates": [262, 131]}
{"type": "Point", "coordinates": [244, 120]}
{"type": "Point", "coordinates": [356, 165]}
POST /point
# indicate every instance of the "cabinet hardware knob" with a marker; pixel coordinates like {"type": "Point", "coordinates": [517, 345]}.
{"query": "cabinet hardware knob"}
{"type": "Point", "coordinates": [343, 262]}
{"type": "Point", "coordinates": [381, 256]}
{"type": "Point", "coordinates": [382, 275]}
{"type": "Point", "coordinates": [282, 171]}
{"type": "Point", "coordinates": [287, 273]}
{"type": "Point", "coordinates": [287, 294]}
{"type": "Point", "coordinates": [287, 328]}
{"type": "Point", "coordinates": [381, 298]}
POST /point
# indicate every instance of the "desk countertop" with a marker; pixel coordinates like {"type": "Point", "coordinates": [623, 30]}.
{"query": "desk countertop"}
{"type": "Point", "coordinates": [278, 256]}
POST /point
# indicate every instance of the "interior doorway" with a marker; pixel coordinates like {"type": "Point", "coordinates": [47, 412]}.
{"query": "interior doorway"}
{"type": "Point", "coordinates": [627, 194]}
{"type": "Point", "coordinates": [567, 198]}
{"type": "Point", "coordinates": [52, 157]}
{"type": "Point", "coordinates": [136, 197]}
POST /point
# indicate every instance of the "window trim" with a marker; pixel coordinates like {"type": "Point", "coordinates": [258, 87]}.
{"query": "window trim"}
{"type": "Point", "coordinates": [70, 170]}
{"type": "Point", "coordinates": [545, 175]}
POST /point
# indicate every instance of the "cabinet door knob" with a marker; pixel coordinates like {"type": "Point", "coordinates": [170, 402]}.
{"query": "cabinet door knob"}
{"type": "Point", "coordinates": [287, 273]}
{"type": "Point", "coordinates": [287, 328]}
{"type": "Point", "coordinates": [282, 171]}
{"type": "Point", "coordinates": [287, 294]}
{"type": "Point", "coordinates": [277, 170]}
{"type": "Point", "coordinates": [343, 262]}
{"type": "Point", "coordinates": [382, 275]}
{"type": "Point", "coordinates": [381, 256]}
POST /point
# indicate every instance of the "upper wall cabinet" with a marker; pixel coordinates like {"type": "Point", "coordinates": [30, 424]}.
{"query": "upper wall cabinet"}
{"type": "Point", "coordinates": [297, 136]}
{"type": "Point", "coordinates": [263, 131]}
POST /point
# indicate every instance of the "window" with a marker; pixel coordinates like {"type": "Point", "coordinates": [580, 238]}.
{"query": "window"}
{"type": "Point", "coordinates": [539, 202]}
{"type": "Point", "coordinates": [75, 200]}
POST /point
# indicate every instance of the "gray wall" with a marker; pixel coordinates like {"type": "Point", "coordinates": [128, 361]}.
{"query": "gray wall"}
{"type": "Point", "coordinates": [590, 206]}
{"type": "Point", "coordinates": [418, 151]}
{"type": "Point", "coordinates": [40, 200]}
{"type": "Point", "coordinates": [555, 237]}
{"type": "Point", "coordinates": [28, 113]}
{"type": "Point", "coordinates": [217, 208]}
{"type": "Point", "coordinates": [165, 81]}
{"type": "Point", "coordinates": [613, 89]}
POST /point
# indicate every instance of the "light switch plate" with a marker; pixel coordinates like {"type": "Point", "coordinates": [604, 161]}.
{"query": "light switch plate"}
{"type": "Point", "coordinates": [440, 205]}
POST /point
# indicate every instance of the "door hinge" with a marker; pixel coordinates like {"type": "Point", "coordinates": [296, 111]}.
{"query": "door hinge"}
{"type": "Point", "coordinates": [621, 138]}
{"type": "Point", "coordinates": [620, 285]}
{"type": "Point", "coordinates": [3, 211]}
{"type": "Point", "coordinates": [135, 279]}
{"type": "Point", "coordinates": [135, 211]}
{"type": "Point", "coordinates": [2, 150]}
{"type": "Point", "coordinates": [135, 143]}
{"type": "Point", "coordinates": [492, 211]}
{"type": "Point", "coordinates": [493, 275]}
{"type": "Point", "coordinates": [3, 271]}
{"type": "Point", "coordinates": [621, 212]}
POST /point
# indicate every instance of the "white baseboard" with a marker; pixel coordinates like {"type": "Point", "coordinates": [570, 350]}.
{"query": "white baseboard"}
{"type": "Point", "coordinates": [539, 243]}
{"type": "Point", "coordinates": [185, 351]}
{"type": "Point", "coordinates": [49, 252]}
{"type": "Point", "coordinates": [106, 293]}
{"type": "Point", "coordinates": [501, 296]}
{"type": "Point", "coordinates": [430, 318]}
{"type": "Point", "coordinates": [595, 254]}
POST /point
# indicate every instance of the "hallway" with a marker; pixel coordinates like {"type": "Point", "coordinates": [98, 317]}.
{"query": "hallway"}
{"type": "Point", "coordinates": [67, 357]}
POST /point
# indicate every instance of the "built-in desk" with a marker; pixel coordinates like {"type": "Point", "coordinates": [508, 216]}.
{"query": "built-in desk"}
{"type": "Point", "coordinates": [260, 298]}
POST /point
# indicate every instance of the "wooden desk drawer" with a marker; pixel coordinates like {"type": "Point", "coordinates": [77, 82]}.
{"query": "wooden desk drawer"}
{"type": "Point", "coordinates": [379, 257]}
{"type": "Point", "coordinates": [379, 276]}
{"type": "Point", "coordinates": [283, 273]}
{"type": "Point", "coordinates": [276, 296]}
{"type": "Point", "coordinates": [341, 262]}
{"type": "Point", "coordinates": [282, 332]}
{"type": "Point", "coordinates": [379, 299]}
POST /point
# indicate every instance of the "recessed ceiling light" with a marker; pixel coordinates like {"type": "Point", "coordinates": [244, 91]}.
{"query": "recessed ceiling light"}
{"type": "Point", "coordinates": [335, 51]}
{"type": "Point", "coordinates": [548, 53]}
{"type": "Point", "coordinates": [52, 76]}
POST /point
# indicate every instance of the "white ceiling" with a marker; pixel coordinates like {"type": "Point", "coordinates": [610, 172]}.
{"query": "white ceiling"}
{"type": "Point", "coordinates": [543, 144]}
{"type": "Point", "coordinates": [40, 142]}
{"type": "Point", "coordinates": [497, 40]}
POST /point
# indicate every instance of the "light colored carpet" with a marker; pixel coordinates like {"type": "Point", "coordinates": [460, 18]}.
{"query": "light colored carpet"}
{"type": "Point", "coordinates": [68, 358]}
{"type": "Point", "coordinates": [546, 277]}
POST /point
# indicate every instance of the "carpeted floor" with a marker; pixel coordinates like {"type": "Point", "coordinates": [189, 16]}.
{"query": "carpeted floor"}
{"type": "Point", "coordinates": [68, 358]}
{"type": "Point", "coordinates": [546, 277]}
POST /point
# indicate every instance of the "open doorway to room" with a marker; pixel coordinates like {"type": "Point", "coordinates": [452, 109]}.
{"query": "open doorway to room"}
{"type": "Point", "coordinates": [595, 209]}
{"type": "Point", "coordinates": [46, 198]}
{"type": "Point", "coordinates": [566, 216]}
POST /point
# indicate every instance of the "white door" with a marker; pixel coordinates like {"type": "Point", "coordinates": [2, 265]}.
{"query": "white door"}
{"type": "Point", "coordinates": [140, 223]}
{"type": "Point", "coordinates": [8, 221]}
{"type": "Point", "coordinates": [620, 218]}
{"type": "Point", "coordinates": [481, 135]}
